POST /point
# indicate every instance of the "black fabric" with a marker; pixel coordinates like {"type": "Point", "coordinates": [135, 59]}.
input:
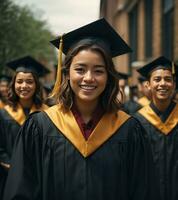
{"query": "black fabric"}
{"type": "Point", "coordinates": [163, 115]}
{"type": "Point", "coordinates": [99, 30]}
{"type": "Point", "coordinates": [165, 156]}
{"type": "Point", "coordinates": [27, 64]}
{"type": "Point", "coordinates": [8, 132]}
{"type": "Point", "coordinates": [158, 63]}
{"type": "Point", "coordinates": [46, 166]}
{"type": "Point", "coordinates": [131, 107]}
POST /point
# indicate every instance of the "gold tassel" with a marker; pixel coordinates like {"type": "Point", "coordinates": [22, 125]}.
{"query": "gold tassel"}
{"type": "Point", "coordinates": [57, 84]}
{"type": "Point", "coordinates": [173, 68]}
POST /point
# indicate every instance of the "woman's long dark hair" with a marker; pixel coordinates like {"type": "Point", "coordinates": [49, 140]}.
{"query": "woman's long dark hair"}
{"type": "Point", "coordinates": [109, 100]}
{"type": "Point", "coordinates": [13, 98]}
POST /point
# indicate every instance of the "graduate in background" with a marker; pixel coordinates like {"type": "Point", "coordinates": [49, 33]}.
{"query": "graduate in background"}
{"type": "Point", "coordinates": [144, 91]}
{"type": "Point", "coordinates": [24, 98]}
{"type": "Point", "coordinates": [123, 86]}
{"type": "Point", "coordinates": [47, 89]}
{"type": "Point", "coordinates": [83, 148]}
{"type": "Point", "coordinates": [130, 106]}
{"type": "Point", "coordinates": [4, 88]}
{"type": "Point", "coordinates": [160, 121]}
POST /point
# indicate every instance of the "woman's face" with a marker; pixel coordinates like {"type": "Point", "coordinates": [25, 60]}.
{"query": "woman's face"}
{"type": "Point", "coordinates": [88, 76]}
{"type": "Point", "coordinates": [25, 85]}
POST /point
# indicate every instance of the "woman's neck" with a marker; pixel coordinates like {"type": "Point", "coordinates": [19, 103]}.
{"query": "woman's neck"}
{"type": "Point", "coordinates": [86, 109]}
{"type": "Point", "coordinates": [26, 103]}
{"type": "Point", "coordinates": [161, 105]}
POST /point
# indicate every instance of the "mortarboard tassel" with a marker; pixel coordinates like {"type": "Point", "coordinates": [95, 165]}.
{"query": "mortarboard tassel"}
{"type": "Point", "coordinates": [173, 68]}
{"type": "Point", "coordinates": [57, 84]}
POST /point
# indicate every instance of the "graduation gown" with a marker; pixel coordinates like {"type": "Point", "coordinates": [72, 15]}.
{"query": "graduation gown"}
{"type": "Point", "coordinates": [10, 123]}
{"type": "Point", "coordinates": [162, 132]}
{"type": "Point", "coordinates": [131, 107]}
{"type": "Point", "coordinates": [53, 161]}
{"type": "Point", "coordinates": [143, 101]}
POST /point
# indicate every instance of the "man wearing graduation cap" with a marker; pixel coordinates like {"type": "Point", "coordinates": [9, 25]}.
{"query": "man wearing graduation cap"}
{"type": "Point", "coordinates": [4, 87]}
{"type": "Point", "coordinates": [160, 121]}
{"type": "Point", "coordinates": [83, 148]}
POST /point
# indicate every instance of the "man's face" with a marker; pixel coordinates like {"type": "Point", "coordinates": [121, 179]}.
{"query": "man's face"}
{"type": "Point", "coordinates": [161, 85]}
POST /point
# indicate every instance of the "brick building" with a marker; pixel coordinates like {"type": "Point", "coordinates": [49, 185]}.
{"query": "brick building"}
{"type": "Point", "coordinates": [149, 27]}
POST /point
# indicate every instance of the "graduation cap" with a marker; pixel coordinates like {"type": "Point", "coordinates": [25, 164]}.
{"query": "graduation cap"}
{"type": "Point", "coordinates": [99, 30]}
{"type": "Point", "coordinates": [48, 87]}
{"type": "Point", "coordinates": [123, 76]}
{"type": "Point", "coordinates": [28, 64]}
{"type": "Point", "coordinates": [159, 63]}
{"type": "Point", "coordinates": [141, 79]}
{"type": "Point", "coordinates": [4, 77]}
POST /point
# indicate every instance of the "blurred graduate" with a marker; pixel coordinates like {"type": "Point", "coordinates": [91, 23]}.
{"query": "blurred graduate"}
{"type": "Point", "coordinates": [24, 98]}
{"type": "Point", "coordinates": [4, 88]}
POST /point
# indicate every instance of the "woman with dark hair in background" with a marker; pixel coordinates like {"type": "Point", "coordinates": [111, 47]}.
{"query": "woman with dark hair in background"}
{"type": "Point", "coordinates": [4, 88]}
{"type": "Point", "coordinates": [84, 147]}
{"type": "Point", "coordinates": [24, 98]}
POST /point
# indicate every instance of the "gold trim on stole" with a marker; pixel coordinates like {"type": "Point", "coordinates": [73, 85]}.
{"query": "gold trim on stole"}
{"type": "Point", "coordinates": [66, 123]}
{"type": "Point", "coordinates": [165, 127]}
{"type": "Point", "coordinates": [143, 101]}
{"type": "Point", "coordinates": [19, 115]}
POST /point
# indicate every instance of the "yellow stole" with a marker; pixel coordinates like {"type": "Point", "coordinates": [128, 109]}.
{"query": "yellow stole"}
{"type": "Point", "coordinates": [19, 115]}
{"type": "Point", "coordinates": [1, 104]}
{"type": "Point", "coordinates": [152, 117]}
{"type": "Point", "coordinates": [143, 101]}
{"type": "Point", "coordinates": [67, 124]}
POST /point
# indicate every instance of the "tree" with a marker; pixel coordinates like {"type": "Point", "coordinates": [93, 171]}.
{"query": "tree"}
{"type": "Point", "coordinates": [21, 33]}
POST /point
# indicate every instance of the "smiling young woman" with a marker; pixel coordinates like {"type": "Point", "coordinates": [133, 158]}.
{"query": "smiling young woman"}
{"type": "Point", "coordinates": [85, 147]}
{"type": "Point", "coordinates": [24, 98]}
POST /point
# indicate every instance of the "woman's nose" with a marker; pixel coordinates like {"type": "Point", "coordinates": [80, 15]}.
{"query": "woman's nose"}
{"type": "Point", "coordinates": [88, 76]}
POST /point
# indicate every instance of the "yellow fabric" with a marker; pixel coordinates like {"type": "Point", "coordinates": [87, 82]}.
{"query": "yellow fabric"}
{"type": "Point", "coordinates": [67, 124]}
{"type": "Point", "coordinates": [1, 104]}
{"type": "Point", "coordinates": [19, 115]}
{"type": "Point", "coordinates": [165, 127]}
{"type": "Point", "coordinates": [143, 101]}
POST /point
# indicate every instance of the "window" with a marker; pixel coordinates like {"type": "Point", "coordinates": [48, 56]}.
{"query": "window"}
{"type": "Point", "coordinates": [133, 27]}
{"type": "Point", "coordinates": [148, 28]}
{"type": "Point", "coordinates": [167, 39]}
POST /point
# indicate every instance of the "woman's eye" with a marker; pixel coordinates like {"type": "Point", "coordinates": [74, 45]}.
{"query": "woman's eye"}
{"type": "Point", "coordinates": [79, 69]}
{"type": "Point", "coordinates": [19, 81]}
{"type": "Point", "coordinates": [99, 71]}
{"type": "Point", "coordinates": [29, 82]}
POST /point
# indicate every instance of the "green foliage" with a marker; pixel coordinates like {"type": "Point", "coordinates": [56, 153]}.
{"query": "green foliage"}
{"type": "Point", "coordinates": [23, 34]}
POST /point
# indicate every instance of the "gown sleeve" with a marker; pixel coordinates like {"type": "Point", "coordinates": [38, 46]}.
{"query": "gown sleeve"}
{"type": "Point", "coordinates": [141, 170]}
{"type": "Point", "coordinates": [24, 179]}
{"type": "Point", "coordinates": [4, 157]}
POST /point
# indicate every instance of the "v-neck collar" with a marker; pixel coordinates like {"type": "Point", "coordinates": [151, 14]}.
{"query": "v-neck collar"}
{"type": "Point", "coordinates": [68, 126]}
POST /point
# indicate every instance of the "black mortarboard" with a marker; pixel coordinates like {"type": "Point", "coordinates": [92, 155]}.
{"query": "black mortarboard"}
{"type": "Point", "coordinates": [123, 76]}
{"type": "Point", "coordinates": [99, 29]}
{"type": "Point", "coordinates": [4, 77]}
{"type": "Point", "coordinates": [159, 63]}
{"type": "Point", "coordinates": [48, 87]}
{"type": "Point", "coordinates": [28, 64]}
{"type": "Point", "coordinates": [141, 79]}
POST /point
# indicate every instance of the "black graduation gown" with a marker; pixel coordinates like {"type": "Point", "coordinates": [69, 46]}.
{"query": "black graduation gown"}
{"type": "Point", "coordinates": [8, 132]}
{"type": "Point", "coordinates": [53, 161]}
{"type": "Point", "coordinates": [131, 107]}
{"type": "Point", "coordinates": [10, 123]}
{"type": "Point", "coordinates": [163, 138]}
